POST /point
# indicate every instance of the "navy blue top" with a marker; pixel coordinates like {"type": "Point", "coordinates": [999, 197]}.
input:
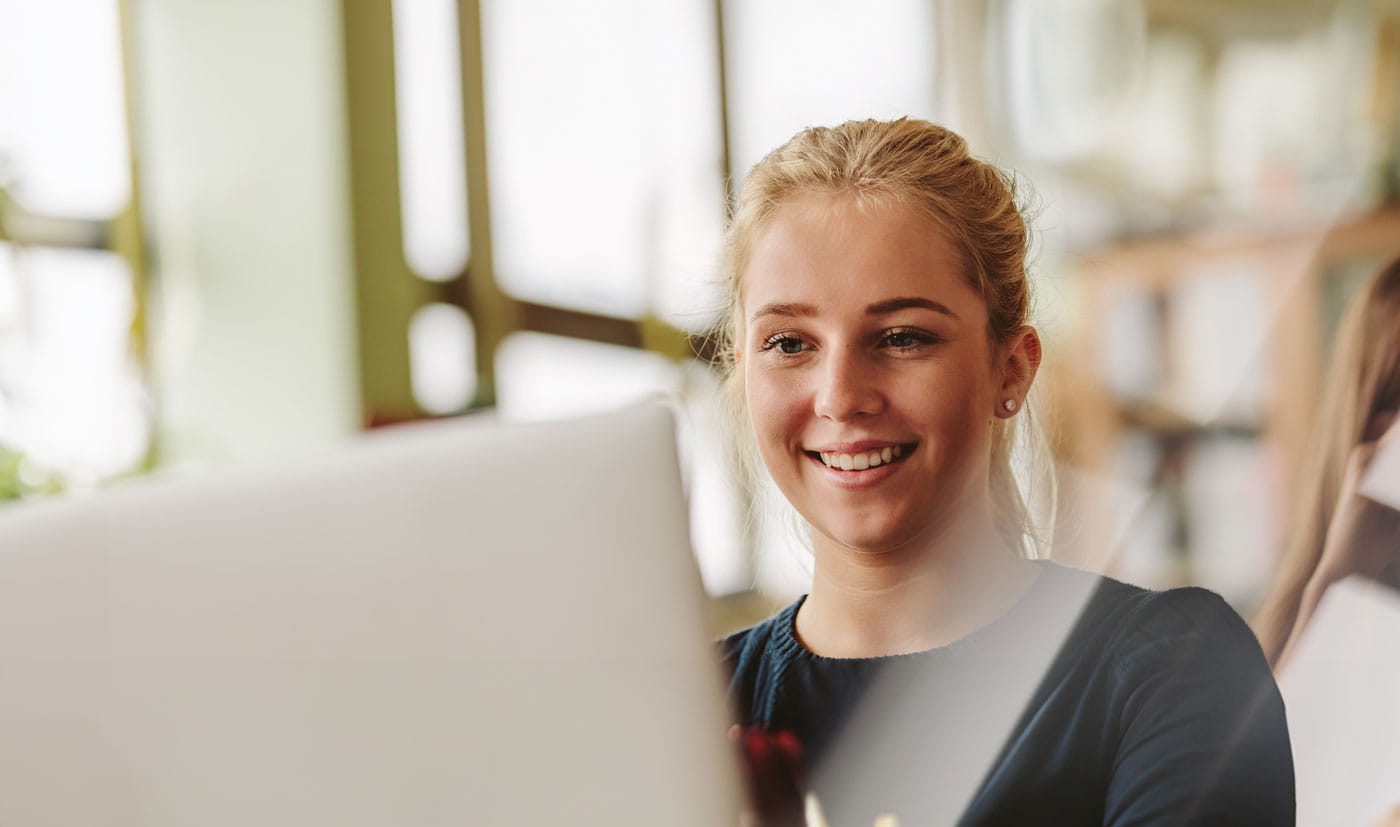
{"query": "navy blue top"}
{"type": "Point", "coordinates": [1159, 708]}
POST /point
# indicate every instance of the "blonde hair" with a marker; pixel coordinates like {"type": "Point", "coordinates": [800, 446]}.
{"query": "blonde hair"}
{"type": "Point", "coordinates": [1363, 381]}
{"type": "Point", "coordinates": [927, 167]}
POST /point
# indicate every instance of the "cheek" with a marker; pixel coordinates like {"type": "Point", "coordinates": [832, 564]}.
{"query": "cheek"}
{"type": "Point", "coordinates": [772, 410]}
{"type": "Point", "coordinates": [954, 406]}
{"type": "Point", "coordinates": [967, 416]}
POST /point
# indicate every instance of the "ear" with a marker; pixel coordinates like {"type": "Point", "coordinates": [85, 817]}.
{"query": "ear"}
{"type": "Point", "coordinates": [1020, 359]}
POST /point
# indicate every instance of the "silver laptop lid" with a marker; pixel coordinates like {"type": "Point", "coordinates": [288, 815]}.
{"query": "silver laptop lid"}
{"type": "Point", "coordinates": [451, 623]}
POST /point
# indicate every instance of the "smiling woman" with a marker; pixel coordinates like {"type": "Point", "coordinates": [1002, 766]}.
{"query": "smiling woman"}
{"type": "Point", "coordinates": [862, 336]}
{"type": "Point", "coordinates": [880, 349]}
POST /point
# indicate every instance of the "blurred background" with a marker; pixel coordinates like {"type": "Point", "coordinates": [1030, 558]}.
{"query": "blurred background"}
{"type": "Point", "coordinates": [236, 231]}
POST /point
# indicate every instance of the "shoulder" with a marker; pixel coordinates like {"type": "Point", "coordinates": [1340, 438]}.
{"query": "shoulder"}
{"type": "Point", "coordinates": [756, 659]}
{"type": "Point", "coordinates": [1179, 625]}
{"type": "Point", "coordinates": [1126, 618]}
{"type": "Point", "coordinates": [764, 639]}
{"type": "Point", "coordinates": [1130, 637]}
{"type": "Point", "coordinates": [1199, 729]}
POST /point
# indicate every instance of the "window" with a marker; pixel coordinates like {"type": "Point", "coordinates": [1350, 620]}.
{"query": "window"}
{"type": "Point", "coordinates": [73, 399]}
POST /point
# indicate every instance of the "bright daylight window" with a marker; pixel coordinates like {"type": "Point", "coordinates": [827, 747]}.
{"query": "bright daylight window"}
{"type": "Point", "coordinates": [432, 165]}
{"type": "Point", "coordinates": [604, 152]}
{"type": "Point", "coordinates": [72, 400]}
{"type": "Point", "coordinates": [62, 122]}
{"type": "Point", "coordinates": [76, 405]}
{"type": "Point", "coordinates": [442, 358]}
{"type": "Point", "coordinates": [799, 63]}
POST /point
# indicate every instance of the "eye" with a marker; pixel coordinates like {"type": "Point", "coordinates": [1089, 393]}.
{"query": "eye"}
{"type": "Point", "coordinates": [784, 343]}
{"type": "Point", "coordinates": [908, 338]}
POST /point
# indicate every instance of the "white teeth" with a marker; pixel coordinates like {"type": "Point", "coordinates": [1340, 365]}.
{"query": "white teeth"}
{"type": "Point", "coordinates": [860, 462]}
{"type": "Point", "coordinates": [898, 451]}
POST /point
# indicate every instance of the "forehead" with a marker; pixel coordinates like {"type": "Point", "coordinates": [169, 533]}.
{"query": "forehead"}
{"type": "Point", "coordinates": [838, 250]}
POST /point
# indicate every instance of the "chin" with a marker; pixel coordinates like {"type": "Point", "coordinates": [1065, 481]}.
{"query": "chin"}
{"type": "Point", "coordinates": [866, 538]}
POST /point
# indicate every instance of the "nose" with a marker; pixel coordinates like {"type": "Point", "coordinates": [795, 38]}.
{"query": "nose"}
{"type": "Point", "coordinates": [847, 387]}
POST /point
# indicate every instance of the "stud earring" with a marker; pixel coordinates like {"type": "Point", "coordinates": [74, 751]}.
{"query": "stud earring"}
{"type": "Point", "coordinates": [1009, 405]}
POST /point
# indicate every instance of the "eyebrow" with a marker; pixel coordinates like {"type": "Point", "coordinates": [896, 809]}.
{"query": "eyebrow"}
{"type": "Point", "coordinates": [891, 305]}
{"type": "Point", "coordinates": [783, 309]}
{"type": "Point", "coordinates": [877, 309]}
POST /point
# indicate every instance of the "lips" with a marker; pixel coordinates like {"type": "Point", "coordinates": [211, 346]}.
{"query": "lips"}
{"type": "Point", "coordinates": [861, 457]}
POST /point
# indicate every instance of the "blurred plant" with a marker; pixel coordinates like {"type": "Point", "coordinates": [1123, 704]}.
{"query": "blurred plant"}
{"type": "Point", "coordinates": [21, 479]}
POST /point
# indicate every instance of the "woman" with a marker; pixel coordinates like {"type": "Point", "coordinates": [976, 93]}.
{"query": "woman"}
{"type": "Point", "coordinates": [1339, 532]}
{"type": "Point", "coordinates": [881, 351]}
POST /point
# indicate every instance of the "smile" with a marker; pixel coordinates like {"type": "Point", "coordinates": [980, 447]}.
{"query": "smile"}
{"type": "Point", "coordinates": [863, 460]}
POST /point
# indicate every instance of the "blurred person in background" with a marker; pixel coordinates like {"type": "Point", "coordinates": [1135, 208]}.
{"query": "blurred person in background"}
{"type": "Point", "coordinates": [1339, 532]}
{"type": "Point", "coordinates": [879, 347]}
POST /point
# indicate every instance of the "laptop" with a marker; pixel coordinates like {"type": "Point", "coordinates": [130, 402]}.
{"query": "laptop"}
{"type": "Point", "coordinates": [458, 622]}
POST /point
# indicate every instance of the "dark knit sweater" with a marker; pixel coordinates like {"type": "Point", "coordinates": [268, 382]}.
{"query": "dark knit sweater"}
{"type": "Point", "coordinates": [1158, 708]}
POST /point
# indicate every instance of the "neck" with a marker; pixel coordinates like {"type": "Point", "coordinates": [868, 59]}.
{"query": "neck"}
{"type": "Point", "coordinates": [909, 599]}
